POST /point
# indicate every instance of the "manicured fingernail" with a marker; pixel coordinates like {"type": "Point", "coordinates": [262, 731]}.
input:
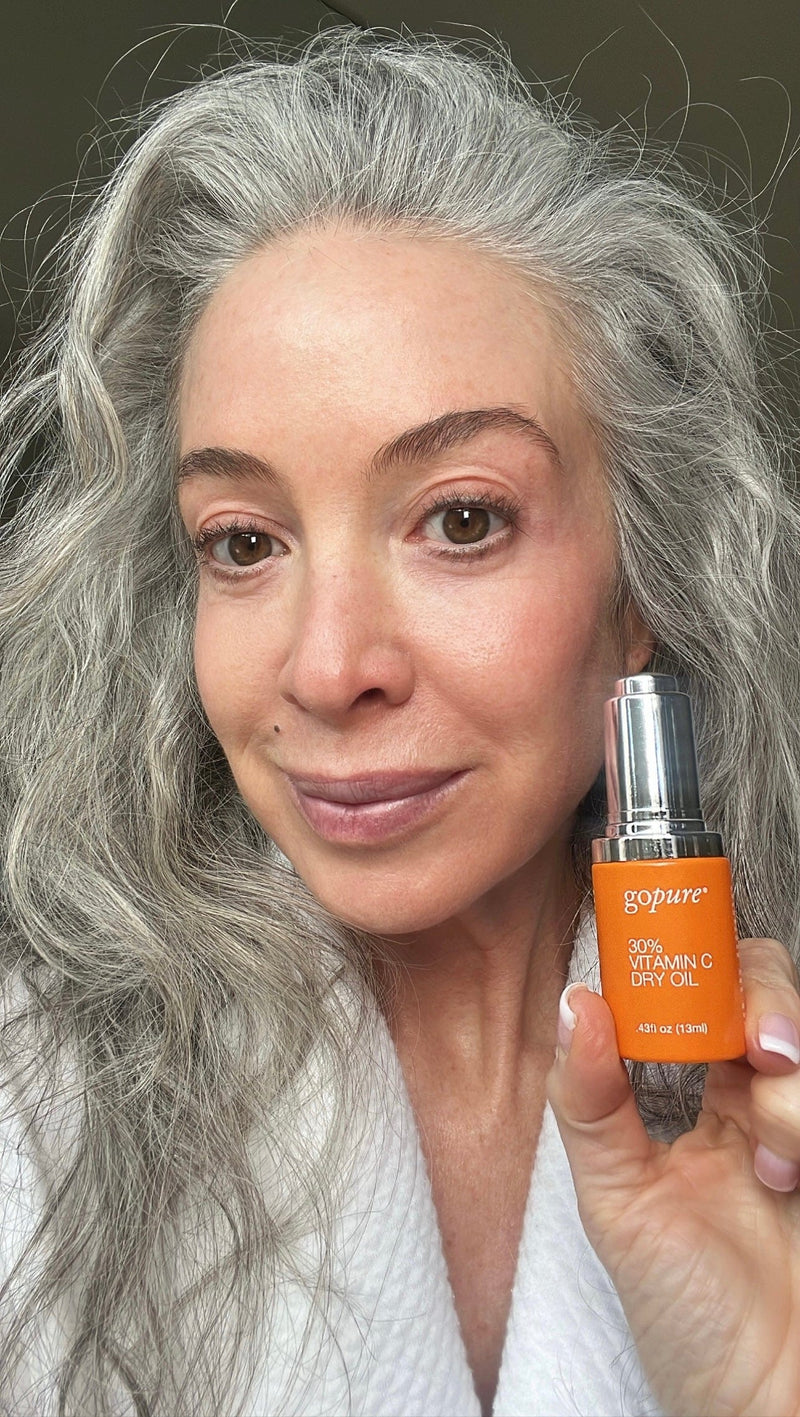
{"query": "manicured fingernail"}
{"type": "Point", "coordinates": [566, 1018]}
{"type": "Point", "coordinates": [775, 1171]}
{"type": "Point", "coordinates": [777, 1034]}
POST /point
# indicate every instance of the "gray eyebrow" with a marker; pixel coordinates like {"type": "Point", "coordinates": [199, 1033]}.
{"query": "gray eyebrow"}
{"type": "Point", "coordinates": [414, 445]}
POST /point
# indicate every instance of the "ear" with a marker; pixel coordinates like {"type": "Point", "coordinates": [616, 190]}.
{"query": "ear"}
{"type": "Point", "coordinates": [640, 642]}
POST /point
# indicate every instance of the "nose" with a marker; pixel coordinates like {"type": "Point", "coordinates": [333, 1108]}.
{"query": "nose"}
{"type": "Point", "coordinates": [347, 645]}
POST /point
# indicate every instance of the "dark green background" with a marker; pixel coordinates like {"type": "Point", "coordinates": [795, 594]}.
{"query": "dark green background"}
{"type": "Point", "coordinates": [68, 69]}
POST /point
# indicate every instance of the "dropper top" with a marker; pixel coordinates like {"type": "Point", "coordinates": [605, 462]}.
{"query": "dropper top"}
{"type": "Point", "coordinates": [651, 763]}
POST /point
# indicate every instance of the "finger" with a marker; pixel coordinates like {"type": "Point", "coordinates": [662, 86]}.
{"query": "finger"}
{"type": "Point", "coordinates": [775, 1129]}
{"type": "Point", "coordinates": [609, 1151]}
{"type": "Point", "coordinates": [772, 1006]}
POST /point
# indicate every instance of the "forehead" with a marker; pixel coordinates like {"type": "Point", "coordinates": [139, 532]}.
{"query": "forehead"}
{"type": "Point", "coordinates": [377, 331]}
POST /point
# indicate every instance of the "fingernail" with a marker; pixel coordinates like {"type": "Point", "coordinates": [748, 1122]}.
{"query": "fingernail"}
{"type": "Point", "coordinates": [777, 1034]}
{"type": "Point", "coordinates": [775, 1171]}
{"type": "Point", "coordinates": [566, 1018]}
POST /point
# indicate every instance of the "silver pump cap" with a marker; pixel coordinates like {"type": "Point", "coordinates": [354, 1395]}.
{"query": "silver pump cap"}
{"type": "Point", "coordinates": [651, 774]}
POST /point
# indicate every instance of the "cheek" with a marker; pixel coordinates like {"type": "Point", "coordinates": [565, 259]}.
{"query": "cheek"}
{"type": "Point", "coordinates": [231, 668]}
{"type": "Point", "coordinates": [533, 686]}
{"type": "Point", "coordinates": [524, 643]}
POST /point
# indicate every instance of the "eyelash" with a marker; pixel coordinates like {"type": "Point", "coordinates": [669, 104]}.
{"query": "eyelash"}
{"type": "Point", "coordinates": [501, 503]}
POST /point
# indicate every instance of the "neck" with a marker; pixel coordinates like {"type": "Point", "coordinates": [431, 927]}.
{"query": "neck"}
{"type": "Point", "coordinates": [475, 998]}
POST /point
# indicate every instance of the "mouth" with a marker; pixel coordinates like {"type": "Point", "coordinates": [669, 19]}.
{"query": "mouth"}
{"type": "Point", "coordinates": [374, 787]}
{"type": "Point", "coordinates": [360, 810]}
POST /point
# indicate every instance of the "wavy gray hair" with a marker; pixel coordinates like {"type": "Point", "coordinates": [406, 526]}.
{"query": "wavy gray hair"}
{"type": "Point", "coordinates": [168, 974]}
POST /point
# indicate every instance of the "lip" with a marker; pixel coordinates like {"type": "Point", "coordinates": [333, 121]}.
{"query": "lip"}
{"type": "Point", "coordinates": [360, 810]}
{"type": "Point", "coordinates": [373, 787]}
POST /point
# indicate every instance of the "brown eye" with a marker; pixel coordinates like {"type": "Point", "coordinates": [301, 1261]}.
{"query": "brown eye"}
{"type": "Point", "coordinates": [465, 524]}
{"type": "Point", "coordinates": [457, 523]}
{"type": "Point", "coordinates": [244, 548]}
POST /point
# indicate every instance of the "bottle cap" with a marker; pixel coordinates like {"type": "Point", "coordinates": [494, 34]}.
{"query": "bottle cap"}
{"type": "Point", "coordinates": [651, 764]}
{"type": "Point", "coordinates": [652, 787]}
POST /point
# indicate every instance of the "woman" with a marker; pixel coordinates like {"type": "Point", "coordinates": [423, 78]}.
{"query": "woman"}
{"type": "Point", "coordinates": [386, 420]}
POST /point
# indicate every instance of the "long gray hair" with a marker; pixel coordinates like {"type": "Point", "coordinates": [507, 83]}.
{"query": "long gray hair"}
{"type": "Point", "coordinates": [168, 975]}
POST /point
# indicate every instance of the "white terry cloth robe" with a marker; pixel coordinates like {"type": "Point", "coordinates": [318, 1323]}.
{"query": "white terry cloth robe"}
{"type": "Point", "coordinates": [391, 1344]}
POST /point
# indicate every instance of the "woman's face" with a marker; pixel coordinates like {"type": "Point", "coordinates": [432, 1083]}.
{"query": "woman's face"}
{"type": "Point", "coordinates": [348, 630]}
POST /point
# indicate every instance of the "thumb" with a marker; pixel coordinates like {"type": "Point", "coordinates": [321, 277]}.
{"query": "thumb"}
{"type": "Point", "coordinates": [610, 1154]}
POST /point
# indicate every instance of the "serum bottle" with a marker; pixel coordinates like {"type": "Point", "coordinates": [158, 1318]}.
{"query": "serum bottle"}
{"type": "Point", "coordinates": [666, 932]}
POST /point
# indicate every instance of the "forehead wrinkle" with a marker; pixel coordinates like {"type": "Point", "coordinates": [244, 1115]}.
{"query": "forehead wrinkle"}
{"type": "Point", "coordinates": [422, 443]}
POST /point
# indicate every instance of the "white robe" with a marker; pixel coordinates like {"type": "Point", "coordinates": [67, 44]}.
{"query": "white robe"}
{"type": "Point", "coordinates": [392, 1345]}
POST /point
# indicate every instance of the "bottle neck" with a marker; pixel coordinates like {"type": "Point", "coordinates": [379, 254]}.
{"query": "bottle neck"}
{"type": "Point", "coordinates": [654, 841]}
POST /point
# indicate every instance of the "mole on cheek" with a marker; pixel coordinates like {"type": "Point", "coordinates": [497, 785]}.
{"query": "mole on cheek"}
{"type": "Point", "coordinates": [275, 726]}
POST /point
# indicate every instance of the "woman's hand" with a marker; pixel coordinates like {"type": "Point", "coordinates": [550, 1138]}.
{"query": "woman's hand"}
{"type": "Point", "coordinates": [701, 1238]}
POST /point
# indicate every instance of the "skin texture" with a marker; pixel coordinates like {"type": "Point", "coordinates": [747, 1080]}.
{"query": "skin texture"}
{"type": "Point", "coordinates": [367, 648]}
{"type": "Point", "coordinates": [371, 650]}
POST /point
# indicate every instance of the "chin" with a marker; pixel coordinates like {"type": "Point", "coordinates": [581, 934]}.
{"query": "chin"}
{"type": "Point", "coordinates": [389, 918]}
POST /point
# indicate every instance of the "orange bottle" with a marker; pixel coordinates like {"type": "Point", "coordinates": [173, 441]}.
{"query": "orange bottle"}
{"type": "Point", "coordinates": [666, 933]}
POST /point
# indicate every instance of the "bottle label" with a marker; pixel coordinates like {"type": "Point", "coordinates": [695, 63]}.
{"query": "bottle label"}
{"type": "Point", "coordinates": [650, 900]}
{"type": "Point", "coordinates": [668, 962]}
